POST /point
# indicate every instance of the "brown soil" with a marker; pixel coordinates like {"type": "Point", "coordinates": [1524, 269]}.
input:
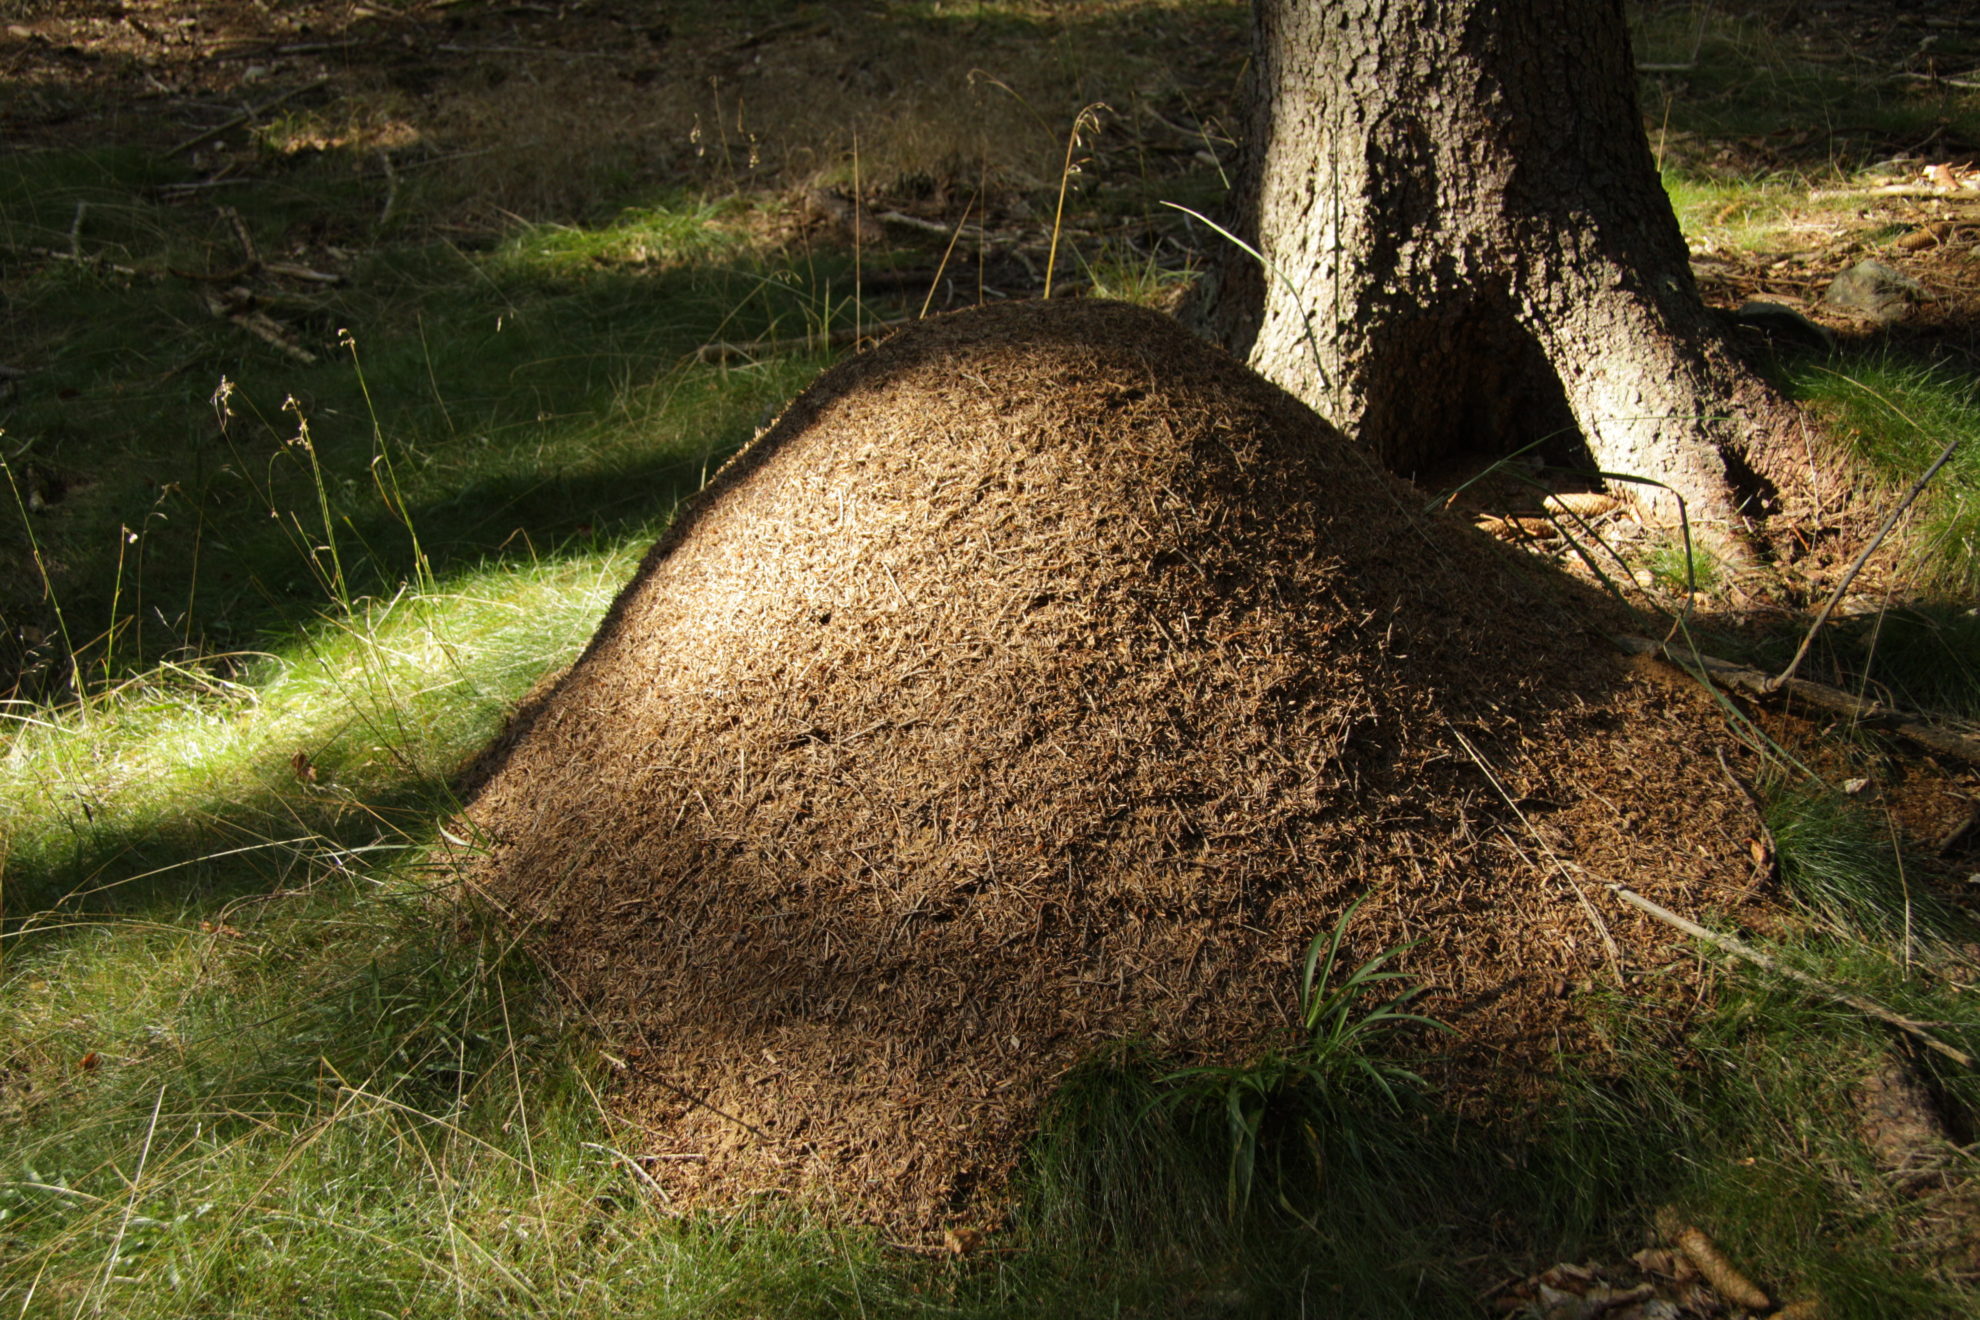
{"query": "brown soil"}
{"type": "Point", "coordinates": [1044, 678]}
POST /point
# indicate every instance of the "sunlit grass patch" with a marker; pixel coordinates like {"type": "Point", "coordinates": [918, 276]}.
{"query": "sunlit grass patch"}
{"type": "Point", "coordinates": [1683, 567]}
{"type": "Point", "coordinates": [508, 399]}
{"type": "Point", "coordinates": [1744, 214]}
{"type": "Point", "coordinates": [661, 234]}
{"type": "Point", "coordinates": [338, 1102]}
{"type": "Point", "coordinates": [1767, 213]}
{"type": "Point", "coordinates": [190, 779]}
{"type": "Point", "coordinates": [1140, 278]}
{"type": "Point", "coordinates": [1897, 414]}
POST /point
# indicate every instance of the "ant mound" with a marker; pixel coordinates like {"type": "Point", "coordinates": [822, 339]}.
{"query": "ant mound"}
{"type": "Point", "coordinates": [1045, 678]}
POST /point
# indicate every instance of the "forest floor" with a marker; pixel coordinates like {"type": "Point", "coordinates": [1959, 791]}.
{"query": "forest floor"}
{"type": "Point", "coordinates": [352, 353]}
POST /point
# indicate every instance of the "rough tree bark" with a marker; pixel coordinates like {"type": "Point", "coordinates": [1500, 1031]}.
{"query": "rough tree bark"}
{"type": "Point", "coordinates": [1470, 248]}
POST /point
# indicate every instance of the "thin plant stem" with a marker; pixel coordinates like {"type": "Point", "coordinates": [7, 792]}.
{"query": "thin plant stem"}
{"type": "Point", "coordinates": [388, 485]}
{"type": "Point", "coordinates": [859, 320]}
{"type": "Point", "coordinates": [41, 567]}
{"type": "Point", "coordinates": [130, 1205]}
{"type": "Point", "coordinates": [936, 283]}
{"type": "Point", "coordinates": [1740, 949]}
{"type": "Point", "coordinates": [1835, 597]}
{"type": "Point", "coordinates": [1089, 116]}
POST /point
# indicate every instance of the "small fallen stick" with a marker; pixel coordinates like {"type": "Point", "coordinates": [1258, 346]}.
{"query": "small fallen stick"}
{"type": "Point", "coordinates": [391, 189]}
{"type": "Point", "coordinates": [1712, 671]}
{"type": "Point", "coordinates": [295, 272]}
{"type": "Point", "coordinates": [1890, 521]}
{"type": "Point", "coordinates": [250, 254]}
{"type": "Point", "coordinates": [245, 116]}
{"type": "Point", "coordinates": [1739, 949]}
{"type": "Point", "coordinates": [237, 305]}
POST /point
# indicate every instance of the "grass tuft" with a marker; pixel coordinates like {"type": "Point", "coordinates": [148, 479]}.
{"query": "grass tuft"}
{"type": "Point", "coordinates": [1840, 863]}
{"type": "Point", "coordinates": [1896, 413]}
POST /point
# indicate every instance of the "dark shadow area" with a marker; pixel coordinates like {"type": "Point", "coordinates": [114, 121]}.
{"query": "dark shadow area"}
{"type": "Point", "coordinates": [1496, 395]}
{"type": "Point", "coordinates": [175, 473]}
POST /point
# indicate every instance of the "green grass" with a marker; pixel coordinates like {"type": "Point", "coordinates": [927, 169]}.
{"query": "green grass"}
{"type": "Point", "coordinates": [527, 395]}
{"type": "Point", "coordinates": [344, 1103]}
{"type": "Point", "coordinates": [1919, 656]}
{"type": "Point", "coordinates": [1767, 213]}
{"type": "Point", "coordinates": [260, 1055]}
{"type": "Point", "coordinates": [318, 1082]}
{"type": "Point", "coordinates": [1746, 81]}
{"type": "Point", "coordinates": [1842, 864]}
{"type": "Point", "coordinates": [1682, 568]}
{"type": "Point", "coordinates": [1896, 414]}
{"type": "Point", "coordinates": [1736, 1127]}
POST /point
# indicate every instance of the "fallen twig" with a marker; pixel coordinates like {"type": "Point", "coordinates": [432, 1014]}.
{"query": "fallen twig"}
{"type": "Point", "coordinates": [391, 189]}
{"type": "Point", "coordinates": [237, 305]}
{"type": "Point", "coordinates": [1890, 521]}
{"type": "Point", "coordinates": [1880, 190]}
{"type": "Point", "coordinates": [547, 52]}
{"type": "Point", "coordinates": [295, 272]}
{"type": "Point", "coordinates": [58, 254]}
{"type": "Point", "coordinates": [250, 254]}
{"type": "Point", "coordinates": [245, 116]}
{"type": "Point", "coordinates": [926, 226]}
{"type": "Point", "coordinates": [1740, 949]}
{"type": "Point", "coordinates": [1712, 671]}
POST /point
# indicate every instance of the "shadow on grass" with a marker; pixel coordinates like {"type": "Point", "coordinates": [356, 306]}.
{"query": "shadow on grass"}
{"type": "Point", "coordinates": [177, 480]}
{"type": "Point", "coordinates": [1786, 98]}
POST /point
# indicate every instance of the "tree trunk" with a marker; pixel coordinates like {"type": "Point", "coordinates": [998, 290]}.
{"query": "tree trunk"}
{"type": "Point", "coordinates": [1469, 246]}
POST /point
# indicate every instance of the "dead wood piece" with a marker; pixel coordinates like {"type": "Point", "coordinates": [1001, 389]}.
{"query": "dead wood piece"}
{"type": "Point", "coordinates": [927, 226]}
{"type": "Point", "coordinates": [1741, 949]}
{"type": "Point", "coordinates": [250, 254]}
{"type": "Point", "coordinates": [790, 27]}
{"type": "Point", "coordinates": [238, 305]}
{"type": "Point", "coordinates": [1962, 834]}
{"type": "Point", "coordinates": [1937, 736]}
{"type": "Point", "coordinates": [544, 52]}
{"type": "Point", "coordinates": [292, 271]}
{"type": "Point", "coordinates": [57, 254]}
